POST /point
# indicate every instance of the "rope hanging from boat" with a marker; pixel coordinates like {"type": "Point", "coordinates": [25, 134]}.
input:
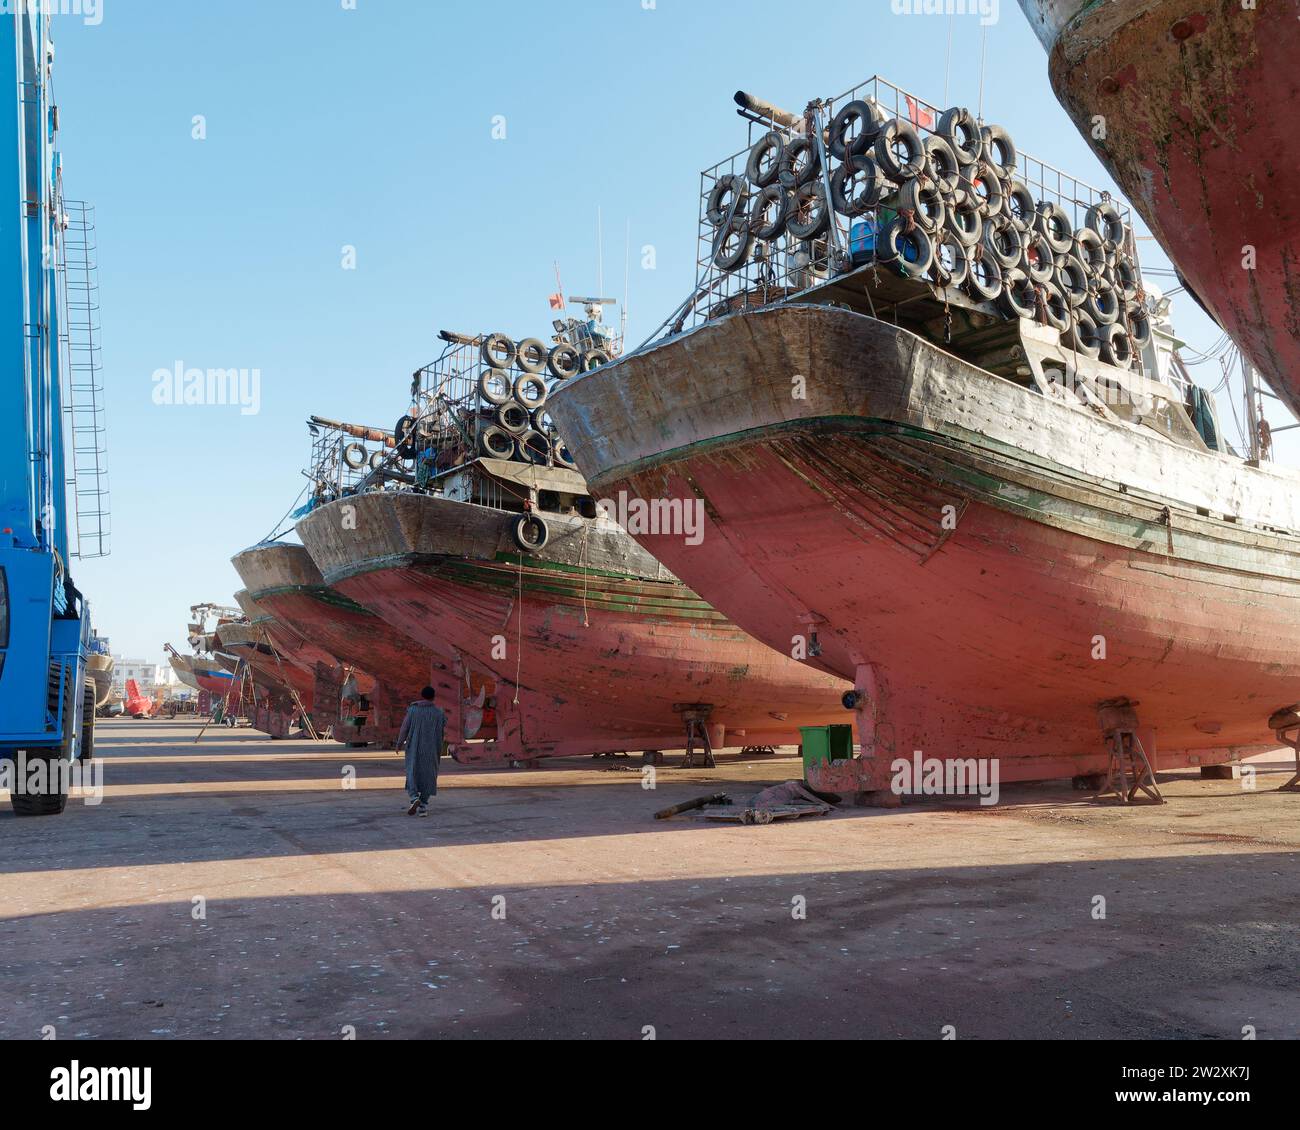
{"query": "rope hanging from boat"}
{"type": "Point", "coordinates": [586, 576]}
{"type": "Point", "coordinates": [519, 627]}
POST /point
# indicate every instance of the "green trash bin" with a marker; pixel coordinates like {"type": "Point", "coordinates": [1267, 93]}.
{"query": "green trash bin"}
{"type": "Point", "coordinates": [826, 743]}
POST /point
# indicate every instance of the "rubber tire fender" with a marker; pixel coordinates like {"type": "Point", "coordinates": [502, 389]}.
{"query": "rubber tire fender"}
{"type": "Point", "coordinates": [1139, 326]}
{"type": "Point", "coordinates": [494, 342]}
{"type": "Point", "coordinates": [1008, 257]}
{"type": "Point", "coordinates": [535, 448]}
{"type": "Point", "coordinates": [755, 172]}
{"type": "Point", "coordinates": [925, 201]}
{"type": "Point", "coordinates": [726, 199]}
{"type": "Point", "coordinates": [734, 244]}
{"type": "Point", "coordinates": [520, 530]}
{"type": "Point", "coordinates": [1125, 276]}
{"type": "Point", "coordinates": [872, 193]}
{"type": "Point", "coordinates": [488, 380]}
{"type": "Point", "coordinates": [990, 201]}
{"type": "Point", "coordinates": [939, 272]}
{"type": "Point", "coordinates": [535, 382]}
{"type": "Point", "coordinates": [563, 457]}
{"type": "Point", "coordinates": [595, 359]}
{"type": "Point", "coordinates": [1018, 299]}
{"type": "Point", "coordinates": [941, 164]}
{"type": "Point", "coordinates": [1082, 335]}
{"type": "Point", "coordinates": [1071, 280]}
{"type": "Point", "coordinates": [792, 174]}
{"type": "Point", "coordinates": [894, 238]}
{"type": "Point", "coordinates": [809, 196]}
{"type": "Point", "coordinates": [959, 129]}
{"type": "Point", "coordinates": [1055, 227]}
{"type": "Point", "coordinates": [998, 141]}
{"type": "Point", "coordinates": [514, 418]}
{"type": "Point", "coordinates": [1038, 260]}
{"type": "Point", "coordinates": [965, 223]}
{"type": "Point", "coordinates": [1056, 307]}
{"type": "Point", "coordinates": [1018, 205]}
{"type": "Point", "coordinates": [564, 362]}
{"type": "Point", "coordinates": [1116, 346]}
{"type": "Point", "coordinates": [355, 456]}
{"type": "Point", "coordinates": [1090, 251]}
{"type": "Point", "coordinates": [1104, 218]}
{"type": "Point", "coordinates": [1103, 304]}
{"type": "Point", "coordinates": [869, 120]}
{"type": "Point", "coordinates": [979, 288]}
{"type": "Point", "coordinates": [404, 434]}
{"type": "Point", "coordinates": [762, 227]}
{"type": "Point", "coordinates": [900, 132]}
{"type": "Point", "coordinates": [497, 443]}
{"type": "Point", "coordinates": [531, 355]}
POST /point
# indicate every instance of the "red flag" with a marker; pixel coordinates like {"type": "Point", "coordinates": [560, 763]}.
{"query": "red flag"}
{"type": "Point", "coordinates": [557, 302]}
{"type": "Point", "coordinates": [919, 114]}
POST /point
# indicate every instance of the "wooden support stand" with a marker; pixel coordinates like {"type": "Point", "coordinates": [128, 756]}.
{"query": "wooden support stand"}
{"type": "Point", "coordinates": [697, 735]}
{"type": "Point", "coordinates": [1286, 725]}
{"type": "Point", "coordinates": [1129, 771]}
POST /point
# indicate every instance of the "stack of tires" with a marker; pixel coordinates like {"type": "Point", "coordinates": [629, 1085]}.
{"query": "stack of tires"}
{"type": "Point", "coordinates": [948, 208]}
{"type": "Point", "coordinates": [514, 385]}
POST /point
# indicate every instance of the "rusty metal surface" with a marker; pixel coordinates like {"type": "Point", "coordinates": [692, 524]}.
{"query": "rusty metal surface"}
{"type": "Point", "coordinates": [1197, 101]}
{"type": "Point", "coordinates": [734, 376]}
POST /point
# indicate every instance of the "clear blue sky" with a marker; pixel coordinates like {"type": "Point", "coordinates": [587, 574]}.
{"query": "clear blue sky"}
{"type": "Point", "coordinates": [372, 127]}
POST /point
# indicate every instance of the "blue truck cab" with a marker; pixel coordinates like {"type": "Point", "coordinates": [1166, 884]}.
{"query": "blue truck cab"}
{"type": "Point", "coordinates": [46, 697]}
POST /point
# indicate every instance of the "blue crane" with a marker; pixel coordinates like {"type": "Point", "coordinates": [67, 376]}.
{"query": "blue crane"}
{"type": "Point", "coordinates": [46, 697]}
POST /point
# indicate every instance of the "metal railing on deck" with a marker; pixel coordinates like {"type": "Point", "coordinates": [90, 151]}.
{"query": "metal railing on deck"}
{"type": "Point", "coordinates": [785, 267]}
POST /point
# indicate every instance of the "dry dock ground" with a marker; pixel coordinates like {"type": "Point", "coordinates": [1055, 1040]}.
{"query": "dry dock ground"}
{"type": "Point", "coordinates": [236, 888]}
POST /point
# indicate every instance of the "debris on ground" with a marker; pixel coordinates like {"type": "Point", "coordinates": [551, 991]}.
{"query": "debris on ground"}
{"type": "Point", "coordinates": [790, 801]}
{"type": "Point", "coordinates": [719, 799]}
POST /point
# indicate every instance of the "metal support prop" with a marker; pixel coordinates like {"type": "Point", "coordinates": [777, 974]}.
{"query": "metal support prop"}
{"type": "Point", "coordinates": [833, 230]}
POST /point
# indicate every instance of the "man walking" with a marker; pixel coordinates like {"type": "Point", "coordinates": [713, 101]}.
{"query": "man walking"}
{"type": "Point", "coordinates": [421, 737]}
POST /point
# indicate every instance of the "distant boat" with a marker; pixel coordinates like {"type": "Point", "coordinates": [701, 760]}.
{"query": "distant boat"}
{"type": "Point", "coordinates": [138, 704]}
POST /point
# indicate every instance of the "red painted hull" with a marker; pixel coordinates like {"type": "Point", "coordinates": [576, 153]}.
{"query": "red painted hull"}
{"type": "Point", "coordinates": [220, 689]}
{"type": "Point", "coordinates": [390, 667]}
{"type": "Point", "coordinates": [999, 633]}
{"type": "Point", "coordinates": [602, 664]}
{"type": "Point", "coordinates": [1199, 96]}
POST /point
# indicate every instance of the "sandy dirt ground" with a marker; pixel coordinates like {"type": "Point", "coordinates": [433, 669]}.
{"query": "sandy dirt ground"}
{"type": "Point", "coordinates": [238, 888]}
